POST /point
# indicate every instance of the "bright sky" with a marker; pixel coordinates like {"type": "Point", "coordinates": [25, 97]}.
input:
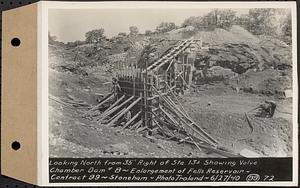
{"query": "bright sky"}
{"type": "Point", "coordinates": [72, 24]}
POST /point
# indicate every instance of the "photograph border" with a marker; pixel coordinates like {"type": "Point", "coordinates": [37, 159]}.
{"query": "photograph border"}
{"type": "Point", "coordinates": [43, 123]}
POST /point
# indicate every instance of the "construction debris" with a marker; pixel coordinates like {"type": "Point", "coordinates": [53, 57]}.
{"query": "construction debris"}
{"type": "Point", "coordinates": [265, 109]}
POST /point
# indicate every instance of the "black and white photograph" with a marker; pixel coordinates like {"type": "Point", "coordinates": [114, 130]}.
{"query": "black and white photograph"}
{"type": "Point", "coordinates": [158, 83]}
{"type": "Point", "coordinates": [163, 92]}
{"type": "Point", "coordinates": [150, 93]}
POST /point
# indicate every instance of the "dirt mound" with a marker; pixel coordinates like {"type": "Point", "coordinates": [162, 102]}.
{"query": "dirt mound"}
{"type": "Point", "coordinates": [243, 35]}
{"type": "Point", "coordinates": [181, 33]}
{"type": "Point", "coordinates": [238, 49]}
{"type": "Point", "coordinates": [280, 52]}
{"type": "Point", "coordinates": [268, 82]}
{"type": "Point", "coordinates": [219, 36]}
{"type": "Point", "coordinates": [235, 34]}
{"type": "Point", "coordinates": [181, 30]}
{"type": "Point", "coordinates": [64, 59]}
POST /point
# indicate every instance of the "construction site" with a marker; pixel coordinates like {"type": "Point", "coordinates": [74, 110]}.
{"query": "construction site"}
{"type": "Point", "coordinates": [210, 94]}
{"type": "Point", "coordinates": [145, 99]}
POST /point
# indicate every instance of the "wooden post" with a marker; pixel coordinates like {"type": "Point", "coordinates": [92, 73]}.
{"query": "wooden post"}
{"type": "Point", "coordinates": [131, 120]}
{"type": "Point", "coordinates": [123, 112]}
{"type": "Point", "coordinates": [201, 42]}
{"type": "Point", "coordinates": [133, 77]}
{"type": "Point", "coordinates": [145, 96]}
{"type": "Point", "coordinates": [107, 98]}
{"type": "Point", "coordinates": [116, 108]}
{"type": "Point", "coordinates": [112, 106]}
{"type": "Point", "coordinates": [190, 75]}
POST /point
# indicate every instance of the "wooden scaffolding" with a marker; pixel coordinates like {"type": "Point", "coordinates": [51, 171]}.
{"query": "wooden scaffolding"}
{"type": "Point", "coordinates": [145, 99]}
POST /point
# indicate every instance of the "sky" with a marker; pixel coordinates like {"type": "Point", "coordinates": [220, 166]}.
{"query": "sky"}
{"type": "Point", "coordinates": [71, 24]}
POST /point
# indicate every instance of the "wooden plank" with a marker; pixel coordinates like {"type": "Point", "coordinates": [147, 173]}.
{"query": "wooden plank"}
{"type": "Point", "coordinates": [162, 130]}
{"type": "Point", "coordinates": [192, 124]}
{"type": "Point", "coordinates": [204, 132]}
{"type": "Point", "coordinates": [166, 99]}
{"type": "Point", "coordinates": [141, 129]}
{"type": "Point", "coordinates": [131, 120]}
{"type": "Point", "coordinates": [168, 54]}
{"type": "Point", "coordinates": [101, 103]}
{"type": "Point", "coordinates": [184, 80]}
{"type": "Point", "coordinates": [177, 100]}
{"type": "Point", "coordinates": [169, 116]}
{"type": "Point", "coordinates": [178, 75]}
{"type": "Point", "coordinates": [153, 97]}
{"type": "Point", "coordinates": [112, 106]}
{"type": "Point", "coordinates": [202, 135]}
{"type": "Point", "coordinates": [137, 124]}
{"type": "Point", "coordinates": [162, 122]}
{"type": "Point", "coordinates": [123, 112]}
{"type": "Point", "coordinates": [217, 150]}
{"type": "Point", "coordinates": [173, 56]}
{"type": "Point", "coordinates": [196, 144]}
{"type": "Point", "coordinates": [116, 108]}
{"type": "Point", "coordinates": [170, 65]}
{"type": "Point", "coordinates": [134, 78]}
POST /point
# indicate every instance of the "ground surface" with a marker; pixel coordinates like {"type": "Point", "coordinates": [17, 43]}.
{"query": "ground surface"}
{"type": "Point", "coordinates": [221, 111]}
{"type": "Point", "coordinates": [216, 107]}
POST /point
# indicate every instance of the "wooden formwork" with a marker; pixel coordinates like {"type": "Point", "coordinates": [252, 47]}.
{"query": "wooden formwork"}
{"type": "Point", "coordinates": [145, 99]}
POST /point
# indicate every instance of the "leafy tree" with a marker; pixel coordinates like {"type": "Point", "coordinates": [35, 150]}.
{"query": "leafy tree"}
{"type": "Point", "coordinates": [191, 21]}
{"type": "Point", "coordinates": [287, 26]}
{"type": "Point", "coordinates": [267, 21]}
{"type": "Point", "coordinates": [148, 32]}
{"type": "Point", "coordinates": [133, 31]}
{"type": "Point", "coordinates": [226, 19]}
{"type": "Point", "coordinates": [165, 27]}
{"type": "Point", "coordinates": [95, 36]}
{"type": "Point", "coordinates": [286, 29]}
{"type": "Point", "coordinates": [122, 34]}
{"type": "Point", "coordinates": [75, 43]}
{"type": "Point", "coordinates": [51, 38]}
{"type": "Point", "coordinates": [242, 20]}
{"type": "Point", "coordinates": [262, 21]}
{"type": "Point", "coordinates": [196, 22]}
{"type": "Point", "coordinates": [218, 18]}
{"type": "Point", "coordinates": [145, 54]}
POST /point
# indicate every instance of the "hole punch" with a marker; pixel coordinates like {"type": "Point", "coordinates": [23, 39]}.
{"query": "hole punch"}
{"type": "Point", "coordinates": [15, 42]}
{"type": "Point", "coordinates": [16, 145]}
